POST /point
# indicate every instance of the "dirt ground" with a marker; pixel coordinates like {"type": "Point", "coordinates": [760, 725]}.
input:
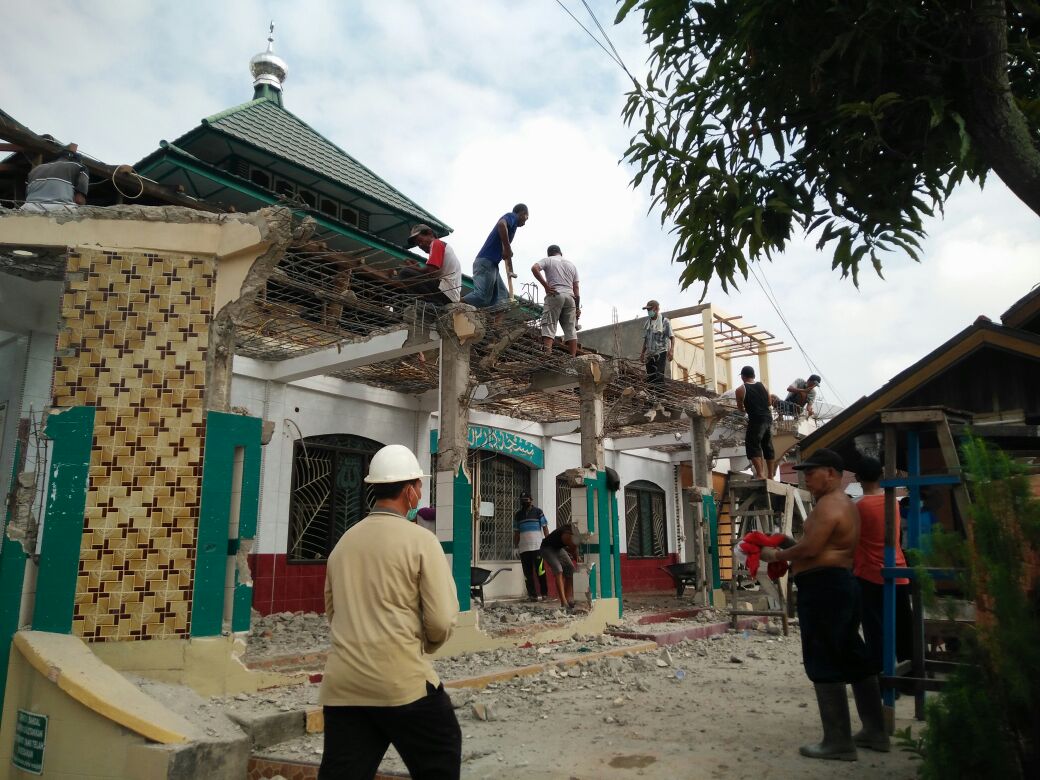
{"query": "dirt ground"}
{"type": "Point", "coordinates": [726, 707]}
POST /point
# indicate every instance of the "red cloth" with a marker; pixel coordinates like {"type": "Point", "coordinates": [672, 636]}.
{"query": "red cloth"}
{"type": "Point", "coordinates": [436, 258]}
{"type": "Point", "coordinates": [752, 545]}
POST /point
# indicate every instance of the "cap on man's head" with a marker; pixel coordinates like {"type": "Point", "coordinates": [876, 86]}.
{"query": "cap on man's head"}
{"type": "Point", "coordinates": [747, 371]}
{"type": "Point", "coordinates": [822, 458]}
{"type": "Point", "coordinates": [417, 230]}
{"type": "Point", "coordinates": [525, 496]}
{"type": "Point", "coordinates": [815, 378]}
{"type": "Point", "coordinates": [652, 304]}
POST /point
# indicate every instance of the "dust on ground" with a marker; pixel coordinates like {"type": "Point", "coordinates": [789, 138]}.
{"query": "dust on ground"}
{"type": "Point", "coordinates": [729, 706]}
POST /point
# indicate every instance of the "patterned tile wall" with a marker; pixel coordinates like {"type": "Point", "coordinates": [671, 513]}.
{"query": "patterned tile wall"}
{"type": "Point", "coordinates": [133, 344]}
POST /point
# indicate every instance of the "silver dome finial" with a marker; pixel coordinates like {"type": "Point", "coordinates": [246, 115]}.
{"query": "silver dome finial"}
{"type": "Point", "coordinates": [268, 68]}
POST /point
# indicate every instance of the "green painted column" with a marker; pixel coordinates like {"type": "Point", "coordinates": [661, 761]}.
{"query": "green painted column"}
{"type": "Point", "coordinates": [462, 532]}
{"type": "Point", "coordinates": [72, 434]}
{"type": "Point", "coordinates": [615, 548]}
{"type": "Point", "coordinates": [225, 433]}
{"type": "Point", "coordinates": [12, 577]}
{"type": "Point", "coordinates": [591, 487]}
{"type": "Point", "coordinates": [711, 517]}
{"type": "Point", "coordinates": [606, 563]}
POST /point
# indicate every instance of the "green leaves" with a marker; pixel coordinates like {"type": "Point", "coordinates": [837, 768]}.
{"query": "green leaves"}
{"type": "Point", "coordinates": [842, 118]}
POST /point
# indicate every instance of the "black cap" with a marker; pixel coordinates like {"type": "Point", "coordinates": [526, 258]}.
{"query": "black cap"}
{"type": "Point", "coordinates": [525, 496]}
{"type": "Point", "coordinates": [747, 371]}
{"type": "Point", "coordinates": [815, 378]}
{"type": "Point", "coordinates": [823, 457]}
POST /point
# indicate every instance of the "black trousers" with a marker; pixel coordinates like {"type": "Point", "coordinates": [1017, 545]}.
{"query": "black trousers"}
{"type": "Point", "coordinates": [655, 368]}
{"type": "Point", "coordinates": [426, 733]}
{"type": "Point", "coordinates": [428, 289]}
{"type": "Point", "coordinates": [829, 614]}
{"type": "Point", "coordinates": [872, 602]}
{"type": "Point", "coordinates": [529, 562]}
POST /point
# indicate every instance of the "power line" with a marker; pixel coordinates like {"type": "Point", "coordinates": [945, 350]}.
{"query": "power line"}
{"type": "Point", "coordinates": [612, 54]}
{"type": "Point", "coordinates": [606, 37]}
{"type": "Point", "coordinates": [770, 296]}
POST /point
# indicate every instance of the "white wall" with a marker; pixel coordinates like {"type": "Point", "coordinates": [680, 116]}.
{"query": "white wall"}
{"type": "Point", "coordinates": [391, 418]}
{"type": "Point", "coordinates": [12, 369]}
{"type": "Point", "coordinates": [316, 408]}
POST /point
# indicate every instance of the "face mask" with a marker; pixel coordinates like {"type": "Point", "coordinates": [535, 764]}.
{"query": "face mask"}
{"type": "Point", "coordinates": [653, 315]}
{"type": "Point", "coordinates": [413, 513]}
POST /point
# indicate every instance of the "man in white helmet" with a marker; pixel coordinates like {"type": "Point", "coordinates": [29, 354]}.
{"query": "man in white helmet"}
{"type": "Point", "coordinates": [389, 598]}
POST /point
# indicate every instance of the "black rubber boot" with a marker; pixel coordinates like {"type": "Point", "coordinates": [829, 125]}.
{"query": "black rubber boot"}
{"type": "Point", "coordinates": [837, 744]}
{"type": "Point", "coordinates": [868, 704]}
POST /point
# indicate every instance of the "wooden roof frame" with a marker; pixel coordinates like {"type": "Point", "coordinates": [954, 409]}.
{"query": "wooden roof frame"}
{"type": "Point", "coordinates": [973, 338]}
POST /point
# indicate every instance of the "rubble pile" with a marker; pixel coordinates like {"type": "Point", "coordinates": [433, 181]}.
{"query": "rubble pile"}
{"type": "Point", "coordinates": [616, 690]}
{"type": "Point", "coordinates": [286, 633]}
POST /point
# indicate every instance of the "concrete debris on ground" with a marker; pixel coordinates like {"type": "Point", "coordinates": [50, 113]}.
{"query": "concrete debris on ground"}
{"type": "Point", "coordinates": [300, 633]}
{"type": "Point", "coordinates": [689, 701]}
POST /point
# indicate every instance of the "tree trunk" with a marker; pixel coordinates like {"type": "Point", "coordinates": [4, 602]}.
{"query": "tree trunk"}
{"type": "Point", "coordinates": [997, 127]}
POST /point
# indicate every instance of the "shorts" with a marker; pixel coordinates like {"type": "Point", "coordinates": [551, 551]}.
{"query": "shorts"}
{"type": "Point", "coordinates": [558, 560]}
{"type": "Point", "coordinates": [758, 442]}
{"type": "Point", "coordinates": [559, 308]}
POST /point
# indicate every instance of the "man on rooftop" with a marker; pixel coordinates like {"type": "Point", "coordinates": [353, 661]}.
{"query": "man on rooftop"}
{"type": "Point", "coordinates": [59, 184]}
{"type": "Point", "coordinates": [801, 394]}
{"type": "Point", "coordinates": [440, 280]}
{"type": "Point", "coordinates": [488, 287]}
{"type": "Point", "coordinates": [658, 344]}
{"type": "Point", "coordinates": [560, 281]}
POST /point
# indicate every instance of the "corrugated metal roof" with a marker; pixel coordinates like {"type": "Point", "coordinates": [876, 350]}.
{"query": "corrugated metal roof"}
{"type": "Point", "coordinates": [279, 132]}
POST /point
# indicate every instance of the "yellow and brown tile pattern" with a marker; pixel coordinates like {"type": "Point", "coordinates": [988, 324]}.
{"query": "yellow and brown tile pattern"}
{"type": "Point", "coordinates": [133, 345]}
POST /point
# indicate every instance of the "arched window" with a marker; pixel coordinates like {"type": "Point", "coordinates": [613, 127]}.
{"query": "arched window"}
{"type": "Point", "coordinates": [328, 492]}
{"type": "Point", "coordinates": [498, 481]}
{"type": "Point", "coordinates": [645, 520]}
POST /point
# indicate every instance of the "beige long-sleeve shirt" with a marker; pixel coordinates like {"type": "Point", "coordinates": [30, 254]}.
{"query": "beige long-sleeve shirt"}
{"type": "Point", "coordinates": [389, 597]}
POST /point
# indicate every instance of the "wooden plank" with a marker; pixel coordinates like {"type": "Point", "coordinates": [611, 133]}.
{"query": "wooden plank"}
{"type": "Point", "coordinates": [912, 416]}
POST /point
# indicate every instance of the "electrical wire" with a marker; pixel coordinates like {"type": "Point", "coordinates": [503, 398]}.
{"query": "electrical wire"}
{"type": "Point", "coordinates": [610, 43]}
{"type": "Point", "coordinates": [770, 296]}
{"type": "Point", "coordinates": [606, 51]}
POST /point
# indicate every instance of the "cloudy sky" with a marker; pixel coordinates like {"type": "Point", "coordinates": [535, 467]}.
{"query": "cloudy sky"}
{"type": "Point", "coordinates": [473, 105]}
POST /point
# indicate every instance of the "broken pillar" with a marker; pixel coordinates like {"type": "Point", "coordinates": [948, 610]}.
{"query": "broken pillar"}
{"type": "Point", "coordinates": [594, 508]}
{"type": "Point", "coordinates": [705, 512]}
{"type": "Point", "coordinates": [460, 330]}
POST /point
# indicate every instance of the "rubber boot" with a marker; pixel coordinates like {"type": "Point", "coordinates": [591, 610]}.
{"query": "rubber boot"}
{"type": "Point", "coordinates": [868, 704]}
{"type": "Point", "coordinates": [837, 744]}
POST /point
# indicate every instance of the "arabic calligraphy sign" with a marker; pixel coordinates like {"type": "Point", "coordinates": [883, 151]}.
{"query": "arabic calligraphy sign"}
{"type": "Point", "coordinates": [481, 437]}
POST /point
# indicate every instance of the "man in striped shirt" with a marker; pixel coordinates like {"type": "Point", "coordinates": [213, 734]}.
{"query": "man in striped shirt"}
{"type": "Point", "coordinates": [529, 528]}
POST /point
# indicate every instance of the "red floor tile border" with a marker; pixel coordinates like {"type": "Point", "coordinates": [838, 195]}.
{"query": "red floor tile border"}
{"type": "Point", "coordinates": [664, 617]}
{"type": "Point", "coordinates": [264, 768]}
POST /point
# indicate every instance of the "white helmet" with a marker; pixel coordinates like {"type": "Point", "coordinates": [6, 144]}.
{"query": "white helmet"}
{"type": "Point", "coordinates": [394, 463]}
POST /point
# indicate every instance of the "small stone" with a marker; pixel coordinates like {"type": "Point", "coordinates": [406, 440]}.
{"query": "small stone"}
{"type": "Point", "coordinates": [733, 659]}
{"type": "Point", "coordinates": [619, 701]}
{"type": "Point", "coordinates": [574, 671]}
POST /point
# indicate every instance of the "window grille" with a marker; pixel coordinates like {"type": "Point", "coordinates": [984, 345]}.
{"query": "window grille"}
{"type": "Point", "coordinates": [563, 500]}
{"type": "Point", "coordinates": [645, 520]}
{"type": "Point", "coordinates": [500, 480]}
{"type": "Point", "coordinates": [328, 492]}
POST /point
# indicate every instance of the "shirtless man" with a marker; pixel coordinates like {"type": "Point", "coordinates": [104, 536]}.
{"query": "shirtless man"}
{"type": "Point", "coordinates": [833, 652]}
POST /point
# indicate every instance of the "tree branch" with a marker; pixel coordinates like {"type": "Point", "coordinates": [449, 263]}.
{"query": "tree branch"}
{"type": "Point", "coordinates": [996, 125]}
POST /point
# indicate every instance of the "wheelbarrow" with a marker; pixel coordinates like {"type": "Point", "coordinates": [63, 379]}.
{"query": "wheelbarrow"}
{"type": "Point", "coordinates": [682, 574]}
{"type": "Point", "coordinates": [478, 578]}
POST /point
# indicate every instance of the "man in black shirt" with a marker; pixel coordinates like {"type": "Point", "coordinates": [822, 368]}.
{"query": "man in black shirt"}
{"type": "Point", "coordinates": [560, 554]}
{"type": "Point", "coordinates": [753, 400]}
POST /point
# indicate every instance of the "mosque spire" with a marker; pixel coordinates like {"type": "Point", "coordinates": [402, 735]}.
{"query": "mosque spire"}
{"type": "Point", "coordinates": [269, 72]}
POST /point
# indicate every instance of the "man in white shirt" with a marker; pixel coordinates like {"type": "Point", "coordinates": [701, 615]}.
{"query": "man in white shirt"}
{"type": "Point", "coordinates": [440, 280]}
{"type": "Point", "coordinates": [562, 301]}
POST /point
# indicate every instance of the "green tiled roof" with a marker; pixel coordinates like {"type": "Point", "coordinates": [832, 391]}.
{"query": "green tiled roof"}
{"type": "Point", "coordinates": [269, 127]}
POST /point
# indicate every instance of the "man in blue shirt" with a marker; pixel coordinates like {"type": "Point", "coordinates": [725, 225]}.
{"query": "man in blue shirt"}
{"type": "Point", "coordinates": [529, 528]}
{"type": "Point", "coordinates": [488, 287]}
